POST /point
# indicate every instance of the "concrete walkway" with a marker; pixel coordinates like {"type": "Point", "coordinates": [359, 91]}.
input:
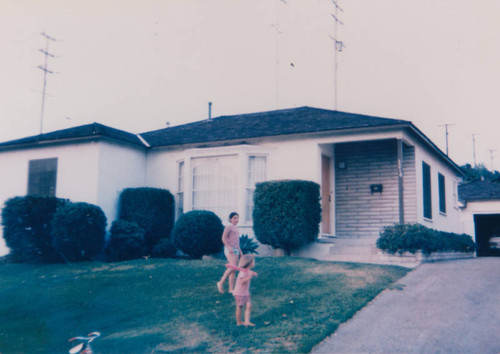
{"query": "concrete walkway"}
{"type": "Point", "coordinates": [441, 307]}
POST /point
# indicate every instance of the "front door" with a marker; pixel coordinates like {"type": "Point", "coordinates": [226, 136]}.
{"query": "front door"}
{"type": "Point", "coordinates": [326, 194]}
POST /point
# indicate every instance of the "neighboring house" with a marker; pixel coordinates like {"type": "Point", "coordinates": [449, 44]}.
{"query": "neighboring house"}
{"type": "Point", "coordinates": [481, 214]}
{"type": "Point", "coordinates": [373, 171]}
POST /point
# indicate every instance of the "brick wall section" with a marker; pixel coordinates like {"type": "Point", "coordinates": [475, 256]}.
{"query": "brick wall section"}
{"type": "Point", "coordinates": [360, 213]}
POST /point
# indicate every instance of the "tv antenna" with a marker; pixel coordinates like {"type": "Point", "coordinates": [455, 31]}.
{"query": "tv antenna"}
{"type": "Point", "coordinates": [46, 71]}
{"type": "Point", "coordinates": [276, 27]}
{"type": "Point", "coordinates": [338, 46]}
{"type": "Point", "coordinates": [474, 148]}
{"type": "Point", "coordinates": [446, 125]}
{"type": "Point", "coordinates": [491, 151]}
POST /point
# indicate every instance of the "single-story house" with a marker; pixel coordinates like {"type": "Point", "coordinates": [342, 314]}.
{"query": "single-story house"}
{"type": "Point", "coordinates": [373, 171]}
{"type": "Point", "coordinates": [481, 214]}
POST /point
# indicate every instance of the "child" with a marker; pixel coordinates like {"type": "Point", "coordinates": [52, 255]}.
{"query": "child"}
{"type": "Point", "coordinates": [241, 291]}
{"type": "Point", "coordinates": [232, 250]}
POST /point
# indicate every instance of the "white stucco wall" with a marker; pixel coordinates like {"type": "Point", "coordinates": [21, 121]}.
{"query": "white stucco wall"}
{"type": "Point", "coordinates": [119, 167]}
{"type": "Point", "coordinates": [450, 221]}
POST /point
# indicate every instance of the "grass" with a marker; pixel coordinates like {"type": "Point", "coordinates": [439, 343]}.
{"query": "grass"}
{"type": "Point", "coordinates": [172, 306]}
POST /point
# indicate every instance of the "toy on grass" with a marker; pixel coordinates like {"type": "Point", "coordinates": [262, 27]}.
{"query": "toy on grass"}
{"type": "Point", "coordinates": [228, 265]}
{"type": "Point", "coordinates": [84, 346]}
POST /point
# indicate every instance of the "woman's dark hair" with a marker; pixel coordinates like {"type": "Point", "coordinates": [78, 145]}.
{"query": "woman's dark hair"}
{"type": "Point", "coordinates": [232, 215]}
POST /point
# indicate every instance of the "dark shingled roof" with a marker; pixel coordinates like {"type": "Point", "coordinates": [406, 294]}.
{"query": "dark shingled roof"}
{"type": "Point", "coordinates": [94, 130]}
{"type": "Point", "coordinates": [479, 190]}
{"type": "Point", "coordinates": [264, 124]}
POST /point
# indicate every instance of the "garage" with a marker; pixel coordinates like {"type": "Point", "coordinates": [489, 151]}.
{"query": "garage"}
{"type": "Point", "coordinates": [481, 214]}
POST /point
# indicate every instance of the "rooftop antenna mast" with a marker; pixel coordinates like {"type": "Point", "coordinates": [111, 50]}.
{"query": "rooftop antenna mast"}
{"type": "Point", "coordinates": [278, 32]}
{"type": "Point", "coordinates": [474, 148]}
{"type": "Point", "coordinates": [338, 45]}
{"type": "Point", "coordinates": [446, 125]}
{"type": "Point", "coordinates": [46, 71]}
{"type": "Point", "coordinates": [491, 151]}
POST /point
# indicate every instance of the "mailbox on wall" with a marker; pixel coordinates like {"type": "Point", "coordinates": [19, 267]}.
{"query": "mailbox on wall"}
{"type": "Point", "coordinates": [376, 188]}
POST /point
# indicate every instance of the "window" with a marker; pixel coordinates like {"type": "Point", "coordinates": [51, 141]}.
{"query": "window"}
{"type": "Point", "coordinates": [180, 190]}
{"type": "Point", "coordinates": [256, 173]}
{"type": "Point", "coordinates": [442, 193]}
{"type": "Point", "coordinates": [42, 176]}
{"type": "Point", "coordinates": [215, 184]}
{"type": "Point", "coordinates": [427, 197]}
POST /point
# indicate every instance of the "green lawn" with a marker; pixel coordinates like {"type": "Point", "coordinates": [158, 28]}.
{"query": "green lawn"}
{"type": "Point", "coordinates": [167, 305]}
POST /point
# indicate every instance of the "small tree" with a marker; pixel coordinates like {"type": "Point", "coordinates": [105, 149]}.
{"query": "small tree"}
{"type": "Point", "coordinates": [286, 214]}
{"type": "Point", "coordinates": [78, 231]}
{"type": "Point", "coordinates": [152, 209]}
{"type": "Point", "coordinates": [198, 233]}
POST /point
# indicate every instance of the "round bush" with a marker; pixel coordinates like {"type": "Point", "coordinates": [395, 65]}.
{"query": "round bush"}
{"type": "Point", "coordinates": [126, 241]}
{"type": "Point", "coordinates": [78, 231]}
{"type": "Point", "coordinates": [198, 233]}
{"type": "Point", "coordinates": [27, 228]}
{"type": "Point", "coordinates": [165, 248]}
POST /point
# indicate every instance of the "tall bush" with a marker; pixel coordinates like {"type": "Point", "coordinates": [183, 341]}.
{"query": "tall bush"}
{"type": "Point", "coordinates": [286, 214]}
{"type": "Point", "coordinates": [152, 209]}
{"type": "Point", "coordinates": [401, 238]}
{"type": "Point", "coordinates": [78, 231]}
{"type": "Point", "coordinates": [26, 224]}
{"type": "Point", "coordinates": [126, 241]}
{"type": "Point", "coordinates": [198, 233]}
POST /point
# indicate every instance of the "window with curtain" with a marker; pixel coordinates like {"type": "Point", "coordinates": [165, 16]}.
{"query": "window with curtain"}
{"type": "Point", "coordinates": [427, 197]}
{"type": "Point", "coordinates": [180, 189]}
{"type": "Point", "coordinates": [42, 177]}
{"type": "Point", "coordinates": [215, 182]}
{"type": "Point", "coordinates": [256, 173]}
{"type": "Point", "coordinates": [442, 193]}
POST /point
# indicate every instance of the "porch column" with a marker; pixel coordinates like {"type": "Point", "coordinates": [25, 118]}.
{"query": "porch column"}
{"type": "Point", "coordinates": [400, 182]}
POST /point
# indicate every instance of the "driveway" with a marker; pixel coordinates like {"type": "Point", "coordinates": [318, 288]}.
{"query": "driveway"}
{"type": "Point", "coordinates": [441, 307]}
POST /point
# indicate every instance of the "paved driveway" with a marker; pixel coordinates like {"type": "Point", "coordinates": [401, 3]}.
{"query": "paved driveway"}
{"type": "Point", "coordinates": [442, 307]}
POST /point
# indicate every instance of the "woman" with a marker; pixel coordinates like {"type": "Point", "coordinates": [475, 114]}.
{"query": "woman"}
{"type": "Point", "coordinates": [232, 251]}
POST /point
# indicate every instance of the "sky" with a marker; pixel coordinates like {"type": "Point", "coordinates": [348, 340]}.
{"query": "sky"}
{"type": "Point", "coordinates": [140, 65]}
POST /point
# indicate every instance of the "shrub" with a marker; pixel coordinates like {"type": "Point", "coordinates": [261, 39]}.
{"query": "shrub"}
{"type": "Point", "coordinates": [248, 245]}
{"type": "Point", "coordinates": [198, 233]}
{"type": "Point", "coordinates": [401, 238]}
{"type": "Point", "coordinates": [78, 231]}
{"type": "Point", "coordinates": [286, 214]}
{"type": "Point", "coordinates": [151, 208]}
{"type": "Point", "coordinates": [126, 241]}
{"type": "Point", "coordinates": [27, 228]}
{"type": "Point", "coordinates": [165, 248]}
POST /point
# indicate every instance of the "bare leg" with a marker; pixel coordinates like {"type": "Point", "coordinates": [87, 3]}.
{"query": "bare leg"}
{"type": "Point", "coordinates": [232, 259]}
{"type": "Point", "coordinates": [248, 309]}
{"type": "Point", "coordinates": [238, 315]}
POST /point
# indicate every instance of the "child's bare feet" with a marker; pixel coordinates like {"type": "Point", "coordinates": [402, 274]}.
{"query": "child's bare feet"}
{"type": "Point", "coordinates": [239, 323]}
{"type": "Point", "coordinates": [246, 324]}
{"type": "Point", "coordinates": [219, 287]}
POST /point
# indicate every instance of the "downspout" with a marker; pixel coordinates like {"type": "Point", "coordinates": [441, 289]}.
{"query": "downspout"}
{"type": "Point", "coordinates": [400, 182]}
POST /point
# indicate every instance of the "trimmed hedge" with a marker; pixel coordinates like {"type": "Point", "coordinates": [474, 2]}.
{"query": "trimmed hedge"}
{"type": "Point", "coordinates": [78, 231]}
{"type": "Point", "coordinates": [287, 213]}
{"type": "Point", "coordinates": [27, 228]}
{"type": "Point", "coordinates": [198, 233]}
{"type": "Point", "coordinates": [401, 238]}
{"type": "Point", "coordinates": [152, 209]}
{"type": "Point", "coordinates": [126, 241]}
